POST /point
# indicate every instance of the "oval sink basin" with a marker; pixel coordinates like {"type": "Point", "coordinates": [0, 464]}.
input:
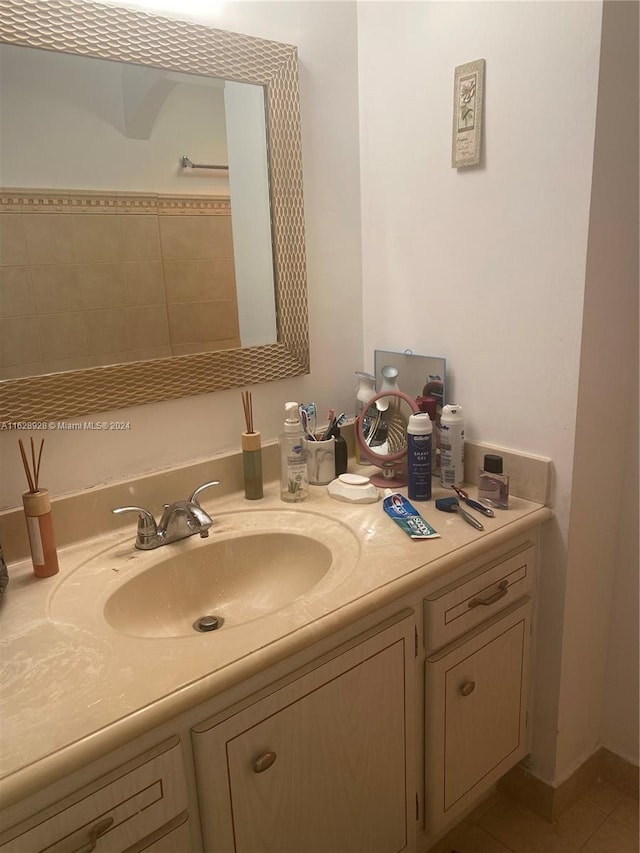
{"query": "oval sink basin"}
{"type": "Point", "coordinates": [255, 564]}
{"type": "Point", "coordinates": [237, 579]}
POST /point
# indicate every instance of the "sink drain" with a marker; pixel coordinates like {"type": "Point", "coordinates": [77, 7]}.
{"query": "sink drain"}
{"type": "Point", "coordinates": [208, 623]}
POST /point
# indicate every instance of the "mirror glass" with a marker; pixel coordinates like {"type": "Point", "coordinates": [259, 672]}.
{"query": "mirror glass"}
{"type": "Point", "coordinates": [418, 375]}
{"type": "Point", "coordinates": [148, 260]}
{"type": "Point", "coordinates": [123, 253]}
{"type": "Point", "coordinates": [381, 432]}
{"type": "Point", "coordinates": [415, 383]}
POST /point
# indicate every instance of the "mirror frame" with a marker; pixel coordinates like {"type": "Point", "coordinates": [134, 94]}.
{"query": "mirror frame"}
{"type": "Point", "coordinates": [125, 35]}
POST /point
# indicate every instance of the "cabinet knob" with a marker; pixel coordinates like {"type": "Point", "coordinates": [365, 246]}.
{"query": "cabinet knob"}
{"type": "Point", "coordinates": [95, 832]}
{"type": "Point", "coordinates": [263, 762]}
{"type": "Point", "coordinates": [467, 688]}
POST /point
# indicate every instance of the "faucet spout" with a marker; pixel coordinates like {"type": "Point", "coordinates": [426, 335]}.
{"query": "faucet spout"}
{"type": "Point", "coordinates": [179, 520]}
{"type": "Point", "coordinates": [182, 519]}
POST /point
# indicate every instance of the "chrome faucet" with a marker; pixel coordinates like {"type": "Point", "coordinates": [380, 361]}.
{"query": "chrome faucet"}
{"type": "Point", "coordinates": [179, 520]}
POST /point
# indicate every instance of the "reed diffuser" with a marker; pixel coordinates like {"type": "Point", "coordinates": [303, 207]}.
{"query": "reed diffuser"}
{"type": "Point", "coordinates": [37, 511]}
{"type": "Point", "coordinates": [251, 453]}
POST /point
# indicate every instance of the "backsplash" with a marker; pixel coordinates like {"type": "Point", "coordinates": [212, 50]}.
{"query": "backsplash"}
{"type": "Point", "coordinates": [87, 512]}
{"type": "Point", "coordinates": [90, 278]}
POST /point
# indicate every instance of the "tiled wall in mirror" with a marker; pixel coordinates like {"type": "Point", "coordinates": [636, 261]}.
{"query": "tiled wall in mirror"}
{"type": "Point", "coordinates": [95, 278]}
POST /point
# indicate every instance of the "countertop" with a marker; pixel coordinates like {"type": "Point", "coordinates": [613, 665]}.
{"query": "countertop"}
{"type": "Point", "coordinates": [71, 685]}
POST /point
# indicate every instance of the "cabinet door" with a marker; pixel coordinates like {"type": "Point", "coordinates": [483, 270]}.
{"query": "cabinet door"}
{"type": "Point", "coordinates": [320, 765]}
{"type": "Point", "coordinates": [476, 701]}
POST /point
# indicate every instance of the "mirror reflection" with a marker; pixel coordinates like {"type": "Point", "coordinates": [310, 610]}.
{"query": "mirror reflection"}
{"type": "Point", "coordinates": [416, 375]}
{"type": "Point", "coordinates": [112, 250]}
{"type": "Point", "coordinates": [136, 38]}
{"type": "Point", "coordinates": [381, 432]}
{"type": "Point", "coordinates": [406, 384]}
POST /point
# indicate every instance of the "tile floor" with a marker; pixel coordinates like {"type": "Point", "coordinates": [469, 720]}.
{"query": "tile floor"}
{"type": "Point", "coordinates": [604, 820]}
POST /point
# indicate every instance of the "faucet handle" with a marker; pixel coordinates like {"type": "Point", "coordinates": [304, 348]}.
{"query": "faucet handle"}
{"type": "Point", "coordinates": [147, 528]}
{"type": "Point", "coordinates": [194, 497]}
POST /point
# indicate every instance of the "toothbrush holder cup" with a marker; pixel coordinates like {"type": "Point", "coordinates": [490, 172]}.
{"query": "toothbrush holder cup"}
{"type": "Point", "coordinates": [321, 461]}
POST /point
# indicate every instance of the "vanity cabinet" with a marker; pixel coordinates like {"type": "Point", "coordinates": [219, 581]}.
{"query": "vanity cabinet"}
{"type": "Point", "coordinates": [137, 807]}
{"type": "Point", "coordinates": [477, 686]}
{"type": "Point", "coordinates": [374, 739]}
{"type": "Point", "coordinates": [318, 765]}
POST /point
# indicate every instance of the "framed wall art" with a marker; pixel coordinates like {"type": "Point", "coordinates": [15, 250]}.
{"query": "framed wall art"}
{"type": "Point", "coordinates": [468, 91]}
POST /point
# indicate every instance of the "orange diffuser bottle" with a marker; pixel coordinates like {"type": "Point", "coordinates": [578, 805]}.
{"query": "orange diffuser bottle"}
{"type": "Point", "coordinates": [37, 511]}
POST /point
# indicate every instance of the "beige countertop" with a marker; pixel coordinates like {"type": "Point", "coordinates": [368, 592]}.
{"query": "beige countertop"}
{"type": "Point", "coordinates": [72, 687]}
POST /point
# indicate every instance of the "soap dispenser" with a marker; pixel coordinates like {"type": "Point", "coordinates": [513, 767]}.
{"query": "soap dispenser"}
{"type": "Point", "coordinates": [294, 483]}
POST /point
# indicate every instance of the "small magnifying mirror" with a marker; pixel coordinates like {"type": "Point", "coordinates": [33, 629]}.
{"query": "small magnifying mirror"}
{"type": "Point", "coordinates": [381, 433]}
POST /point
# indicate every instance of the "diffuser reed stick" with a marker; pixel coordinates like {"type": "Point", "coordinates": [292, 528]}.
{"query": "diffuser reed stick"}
{"type": "Point", "coordinates": [251, 453]}
{"type": "Point", "coordinates": [37, 511]}
{"type": "Point", "coordinates": [247, 405]}
{"type": "Point", "coordinates": [33, 474]}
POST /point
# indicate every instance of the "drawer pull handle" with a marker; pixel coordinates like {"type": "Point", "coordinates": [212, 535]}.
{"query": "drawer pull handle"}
{"type": "Point", "coordinates": [467, 688]}
{"type": "Point", "coordinates": [497, 595]}
{"type": "Point", "coordinates": [94, 834]}
{"type": "Point", "coordinates": [264, 762]}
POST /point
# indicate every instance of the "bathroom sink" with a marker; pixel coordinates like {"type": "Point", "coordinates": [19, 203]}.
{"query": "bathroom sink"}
{"type": "Point", "coordinates": [236, 580]}
{"type": "Point", "coordinates": [252, 565]}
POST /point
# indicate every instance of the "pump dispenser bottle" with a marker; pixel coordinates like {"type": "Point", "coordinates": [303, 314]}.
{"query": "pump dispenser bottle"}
{"type": "Point", "coordinates": [294, 484]}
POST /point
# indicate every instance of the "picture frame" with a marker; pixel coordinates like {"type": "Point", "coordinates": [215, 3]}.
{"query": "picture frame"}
{"type": "Point", "coordinates": [468, 99]}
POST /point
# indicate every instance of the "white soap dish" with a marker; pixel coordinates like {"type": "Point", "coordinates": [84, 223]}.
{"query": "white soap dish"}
{"type": "Point", "coordinates": [354, 489]}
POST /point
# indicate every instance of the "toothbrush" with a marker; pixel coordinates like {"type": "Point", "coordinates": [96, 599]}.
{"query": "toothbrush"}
{"type": "Point", "coordinates": [313, 411]}
{"type": "Point", "coordinates": [485, 510]}
{"type": "Point", "coordinates": [330, 417]}
{"type": "Point", "coordinates": [304, 418]}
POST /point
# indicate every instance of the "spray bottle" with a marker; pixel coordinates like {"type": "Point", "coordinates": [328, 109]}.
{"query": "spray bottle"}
{"type": "Point", "coordinates": [451, 446]}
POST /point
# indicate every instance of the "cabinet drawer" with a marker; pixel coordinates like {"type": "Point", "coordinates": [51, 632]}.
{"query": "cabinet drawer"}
{"type": "Point", "coordinates": [113, 813]}
{"type": "Point", "coordinates": [173, 837]}
{"type": "Point", "coordinates": [458, 608]}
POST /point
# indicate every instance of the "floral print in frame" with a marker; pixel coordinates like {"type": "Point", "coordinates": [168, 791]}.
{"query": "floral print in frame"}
{"type": "Point", "coordinates": [468, 91]}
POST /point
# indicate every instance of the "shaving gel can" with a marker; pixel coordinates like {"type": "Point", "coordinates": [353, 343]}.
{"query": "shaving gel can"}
{"type": "Point", "coordinates": [419, 439]}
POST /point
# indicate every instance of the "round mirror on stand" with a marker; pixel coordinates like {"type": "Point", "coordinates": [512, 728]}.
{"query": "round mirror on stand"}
{"type": "Point", "coordinates": [381, 433]}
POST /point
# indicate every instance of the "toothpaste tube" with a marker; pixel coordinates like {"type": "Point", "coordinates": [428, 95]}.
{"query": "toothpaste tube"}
{"type": "Point", "coordinates": [407, 516]}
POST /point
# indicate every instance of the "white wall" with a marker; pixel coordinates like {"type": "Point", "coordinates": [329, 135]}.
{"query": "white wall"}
{"type": "Point", "coordinates": [488, 266]}
{"type": "Point", "coordinates": [600, 654]}
{"type": "Point", "coordinates": [621, 685]}
{"type": "Point", "coordinates": [169, 433]}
